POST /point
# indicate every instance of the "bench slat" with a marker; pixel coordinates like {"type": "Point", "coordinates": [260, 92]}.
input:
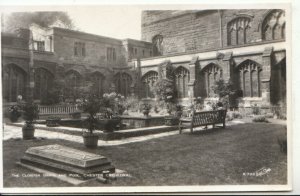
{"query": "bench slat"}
{"type": "Point", "coordinates": [203, 119]}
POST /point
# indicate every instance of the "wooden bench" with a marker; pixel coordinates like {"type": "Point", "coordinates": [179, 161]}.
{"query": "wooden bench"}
{"type": "Point", "coordinates": [198, 119]}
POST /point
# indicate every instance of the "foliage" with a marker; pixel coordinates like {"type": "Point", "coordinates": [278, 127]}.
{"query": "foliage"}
{"type": "Point", "coordinates": [255, 109]}
{"type": "Point", "coordinates": [113, 104]}
{"type": "Point", "coordinates": [14, 113]}
{"type": "Point", "coordinates": [233, 115]}
{"type": "Point", "coordinates": [225, 91]}
{"type": "Point", "coordinates": [165, 90]}
{"type": "Point", "coordinates": [17, 20]}
{"type": "Point", "coordinates": [91, 105]}
{"type": "Point", "coordinates": [131, 103]}
{"type": "Point", "coordinates": [179, 110]}
{"type": "Point", "coordinates": [55, 93]}
{"type": "Point", "coordinates": [198, 103]}
{"type": "Point", "coordinates": [260, 119]}
{"type": "Point", "coordinates": [146, 106]}
{"type": "Point", "coordinates": [30, 112]}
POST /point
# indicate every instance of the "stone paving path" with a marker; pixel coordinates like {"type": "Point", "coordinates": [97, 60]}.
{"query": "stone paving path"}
{"type": "Point", "coordinates": [11, 131]}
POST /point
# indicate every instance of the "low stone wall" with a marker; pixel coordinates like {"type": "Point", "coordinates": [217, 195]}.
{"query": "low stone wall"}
{"type": "Point", "coordinates": [142, 121]}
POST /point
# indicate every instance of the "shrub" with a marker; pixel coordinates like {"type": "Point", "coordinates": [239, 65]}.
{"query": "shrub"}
{"type": "Point", "coordinates": [225, 91]}
{"type": "Point", "coordinates": [237, 115]}
{"type": "Point", "coordinates": [259, 119]}
{"type": "Point", "coordinates": [233, 115]}
{"type": "Point", "coordinates": [14, 113]}
{"type": "Point", "coordinates": [132, 103]}
{"type": "Point", "coordinates": [255, 109]}
{"type": "Point", "coordinates": [30, 112]}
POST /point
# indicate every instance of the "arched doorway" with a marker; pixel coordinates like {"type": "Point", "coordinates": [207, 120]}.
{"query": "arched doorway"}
{"type": "Point", "coordinates": [149, 80]}
{"type": "Point", "coordinates": [249, 78]}
{"type": "Point", "coordinates": [43, 80]}
{"type": "Point", "coordinates": [98, 81]}
{"type": "Point", "coordinates": [14, 82]}
{"type": "Point", "coordinates": [123, 82]}
{"type": "Point", "coordinates": [182, 78]}
{"type": "Point", "coordinates": [210, 74]}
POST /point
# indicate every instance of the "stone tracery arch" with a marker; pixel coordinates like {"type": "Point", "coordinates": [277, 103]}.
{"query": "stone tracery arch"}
{"type": "Point", "coordinates": [98, 79]}
{"type": "Point", "coordinates": [249, 78]}
{"type": "Point", "coordinates": [237, 30]}
{"type": "Point", "coordinates": [182, 78]}
{"type": "Point", "coordinates": [43, 80]}
{"type": "Point", "coordinates": [149, 79]}
{"type": "Point", "coordinates": [211, 73]}
{"type": "Point", "coordinates": [14, 82]}
{"type": "Point", "coordinates": [123, 82]}
{"type": "Point", "coordinates": [273, 25]}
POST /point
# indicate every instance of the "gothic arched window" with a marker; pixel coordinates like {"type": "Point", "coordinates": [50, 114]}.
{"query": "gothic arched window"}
{"type": "Point", "coordinates": [43, 80]}
{"type": "Point", "coordinates": [73, 81]}
{"type": "Point", "coordinates": [148, 81]}
{"type": "Point", "coordinates": [237, 31]}
{"type": "Point", "coordinates": [273, 26]}
{"type": "Point", "coordinates": [98, 81]}
{"type": "Point", "coordinates": [157, 42]}
{"type": "Point", "coordinates": [182, 77]}
{"type": "Point", "coordinates": [14, 80]}
{"type": "Point", "coordinates": [123, 82]}
{"type": "Point", "coordinates": [211, 74]}
{"type": "Point", "coordinates": [249, 74]}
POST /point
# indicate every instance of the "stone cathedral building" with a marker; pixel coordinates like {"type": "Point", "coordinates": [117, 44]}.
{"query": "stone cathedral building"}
{"type": "Point", "coordinates": [245, 46]}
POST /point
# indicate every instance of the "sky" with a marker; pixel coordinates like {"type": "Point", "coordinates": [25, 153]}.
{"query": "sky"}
{"type": "Point", "coordinates": [116, 22]}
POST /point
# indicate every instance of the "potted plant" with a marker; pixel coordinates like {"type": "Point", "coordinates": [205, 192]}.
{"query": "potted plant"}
{"type": "Point", "coordinates": [112, 106]}
{"type": "Point", "coordinates": [146, 109]}
{"type": "Point", "coordinates": [173, 119]}
{"type": "Point", "coordinates": [14, 113]}
{"type": "Point", "coordinates": [30, 113]}
{"type": "Point", "coordinates": [91, 106]}
{"type": "Point", "coordinates": [178, 112]}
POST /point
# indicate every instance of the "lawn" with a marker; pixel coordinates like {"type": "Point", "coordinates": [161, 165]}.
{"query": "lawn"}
{"type": "Point", "coordinates": [214, 157]}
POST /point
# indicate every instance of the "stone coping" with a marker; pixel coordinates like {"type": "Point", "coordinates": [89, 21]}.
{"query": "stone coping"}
{"type": "Point", "coordinates": [141, 117]}
{"type": "Point", "coordinates": [44, 127]}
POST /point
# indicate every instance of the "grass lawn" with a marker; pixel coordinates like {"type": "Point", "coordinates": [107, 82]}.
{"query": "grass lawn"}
{"type": "Point", "coordinates": [214, 157]}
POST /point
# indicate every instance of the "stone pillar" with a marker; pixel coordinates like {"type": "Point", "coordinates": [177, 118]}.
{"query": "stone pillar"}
{"type": "Point", "coordinates": [162, 72]}
{"type": "Point", "coordinates": [132, 90]}
{"type": "Point", "coordinates": [266, 75]}
{"type": "Point", "coordinates": [60, 78]}
{"type": "Point", "coordinates": [138, 82]}
{"type": "Point", "coordinates": [193, 72]}
{"type": "Point", "coordinates": [112, 88]}
{"type": "Point", "coordinates": [227, 68]}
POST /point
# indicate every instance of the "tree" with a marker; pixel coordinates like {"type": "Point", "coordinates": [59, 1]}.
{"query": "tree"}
{"type": "Point", "coordinates": [225, 91]}
{"type": "Point", "coordinates": [16, 20]}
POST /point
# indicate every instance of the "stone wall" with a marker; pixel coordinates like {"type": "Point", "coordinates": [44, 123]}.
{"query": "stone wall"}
{"type": "Point", "coordinates": [95, 49]}
{"type": "Point", "coordinates": [198, 30]}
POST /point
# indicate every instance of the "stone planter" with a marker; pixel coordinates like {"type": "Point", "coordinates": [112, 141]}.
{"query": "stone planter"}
{"type": "Point", "coordinates": [171, 120]}
{"type": "Point", "coordinates": [90, 140]}
{"type": "Point", "coordinates": [52, 122]}
{"type": "Point", "coordinates": [75, 115]}
{"type": "Point", "coordinates": [146, 112]}
{"type": "Point", "coordinates": [28, 132]}
{"type": "Point", "coordinates": [109, 125]}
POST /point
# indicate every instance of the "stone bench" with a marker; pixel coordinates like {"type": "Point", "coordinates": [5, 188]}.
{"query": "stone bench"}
{"type": "Point", "coordinates": [205, 118]}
